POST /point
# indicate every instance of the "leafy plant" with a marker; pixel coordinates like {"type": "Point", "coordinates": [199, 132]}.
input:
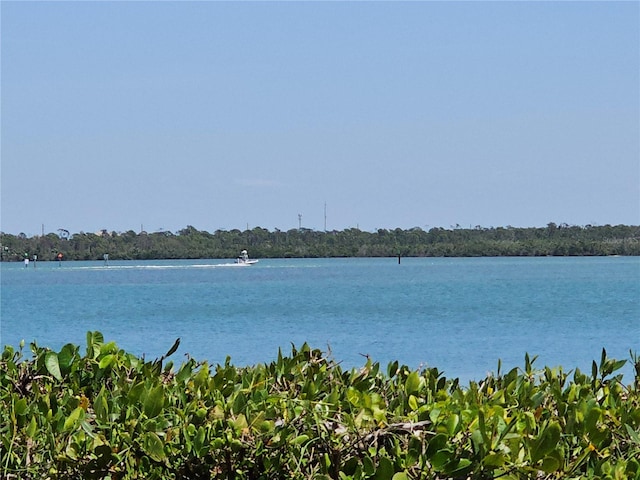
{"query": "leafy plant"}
{"type": "Point", "coordinates": [109, 414]}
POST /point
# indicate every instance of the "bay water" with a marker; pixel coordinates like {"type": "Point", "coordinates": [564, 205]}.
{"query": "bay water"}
{"type": "Point", "coordinates": [457, 314]}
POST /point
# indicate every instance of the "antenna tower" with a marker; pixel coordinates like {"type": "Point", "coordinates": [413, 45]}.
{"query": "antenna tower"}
{"type": "Point", "coordinates": [325, 216]}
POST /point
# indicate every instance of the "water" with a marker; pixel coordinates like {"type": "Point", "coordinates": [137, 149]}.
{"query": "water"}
{"type": "Point", "coordinates": [459, 315]}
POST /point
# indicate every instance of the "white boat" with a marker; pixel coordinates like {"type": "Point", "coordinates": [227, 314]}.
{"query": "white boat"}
{"type": "Point", "coordinates": [243, 259]}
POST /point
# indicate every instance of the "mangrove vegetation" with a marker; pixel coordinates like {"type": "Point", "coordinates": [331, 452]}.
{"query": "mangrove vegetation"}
{"type": "Point", "coordinates": [104, 413]}
{"type": "Point", "coordinates": [191, 243]}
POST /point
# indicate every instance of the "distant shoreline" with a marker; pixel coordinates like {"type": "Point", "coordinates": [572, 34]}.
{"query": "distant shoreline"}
{"type": "Point", "coordinates": [190, 243]}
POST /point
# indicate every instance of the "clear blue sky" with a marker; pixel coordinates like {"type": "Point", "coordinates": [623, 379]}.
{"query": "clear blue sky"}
{"type": "Point", "coordinates": [395, 114]}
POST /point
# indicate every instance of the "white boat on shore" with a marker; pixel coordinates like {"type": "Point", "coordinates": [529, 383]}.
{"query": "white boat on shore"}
{"type": "Point", "coordinates": [243, 259]}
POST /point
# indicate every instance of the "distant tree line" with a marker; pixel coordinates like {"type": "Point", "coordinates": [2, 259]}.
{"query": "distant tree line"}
{"type": "Point", "coordinates": [190, 243]}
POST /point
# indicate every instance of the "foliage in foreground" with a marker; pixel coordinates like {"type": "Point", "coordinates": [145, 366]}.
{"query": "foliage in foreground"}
{"type": "Point", "coordinates": [110, 414]}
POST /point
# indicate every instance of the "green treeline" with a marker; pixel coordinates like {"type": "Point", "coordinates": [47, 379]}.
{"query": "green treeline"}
{"type": "Point", "coordinates": [555, 240]}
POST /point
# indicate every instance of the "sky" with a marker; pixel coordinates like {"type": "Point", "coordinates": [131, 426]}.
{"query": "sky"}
{"type": "Point", "coordinates": [223, 115]}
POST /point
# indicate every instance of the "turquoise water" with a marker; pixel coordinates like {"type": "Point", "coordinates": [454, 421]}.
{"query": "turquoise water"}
{"type": "Point", "coordinates": [460, 315]}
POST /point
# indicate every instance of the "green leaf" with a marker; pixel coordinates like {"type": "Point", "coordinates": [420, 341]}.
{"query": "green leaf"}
{"type": "Point", "coordinates": [31, 428]}
{"type": "Point", "coordinates": [392, 369]}
{"type": "Point", "coordinates": [20, 406]}
{"type": "Point", "coordinates": [353, 396]}
{"type": "Point", "coordinates": [348, 468]}
{"type": "Point", "coordinates": [412, 385]}
{"type": "Point", "coordinates": [199, 441]}
{"type": "Point", "coordinates": [266, 426]}
{"type": "Point", "coordinates": [108, 348]}
{"type": "Point", "coordinates": [546, 441]}
{"type": "Point", "coordinates": [153, 402]}
{"type": "Point", "coordinates": [633, 468]}
{"type": "Point", "coordinates": [477, 440]}
{"type": "Point", "coordinates": [173, 349]}
{"type": "Point", "coordinates": [438, 442]}
{"type": "Point", "coordinates": [441, 459]}
{"type": "Point", "coordinates": [483, 428]}
{"type": "Point", "coordinates": [385, 469]}
{"type": "Point", "coordinates": [239, 403]}
{"type": "Point", "coordinates": [106, 361]}
{"type": "Point", "coordinates": [135, 392]}
{"type": "Point", "coordinates": [153, 446]}
{"type": "Point", "coordinates": [550, 464]}
{"type": "Point", "coordinates": [53, 367]}
{"type": "Point", "coordinates": [591, 420]}
{"type": "Point", "coordinates": [527, 363]}
{"type": "Point", "coordinates": [300, 439]}
{"type": "Point", "coordinates": [94, 341]}
{"type": "Point", "coordinates": [400, 476]}
{"type": "Point", "coordinates": [185, 372]}
{"type": "Point", "coordinates": [633, 435]}
{"type": "Point", "coordinates": [101, 406]}
{"type": "Point", "coordinates": [66, 356]}
{"type": "Point", "coordinates": [458, 467]}
{"type": "Point", "coordinates": [434, 414]}
{"type": "Point", "coordinates": [494, 460]}
{"type": "Point", "coordinates": [240, 422]}
{"type": "Point", "coordinates": [414, 451]}
{"type": "Point", "coordinates": [452, 424]}
{"type": "Point", "coordinates": [367, 465]}
{"type": "Point", "coordinates": [617, 365]}
{"type": "Point", "coordinates": [74, 419]}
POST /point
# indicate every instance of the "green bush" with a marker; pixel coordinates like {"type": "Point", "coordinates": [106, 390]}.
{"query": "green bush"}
{"type": "Point", "coordinates": [109, 414]}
